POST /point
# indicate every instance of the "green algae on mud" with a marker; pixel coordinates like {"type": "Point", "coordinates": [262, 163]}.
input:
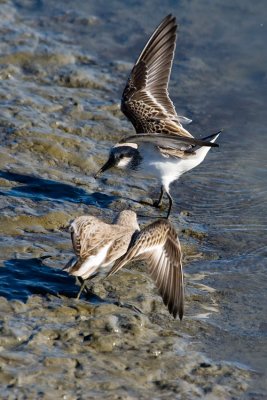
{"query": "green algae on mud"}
{"type": "Point", "coordinates": [30, 223]}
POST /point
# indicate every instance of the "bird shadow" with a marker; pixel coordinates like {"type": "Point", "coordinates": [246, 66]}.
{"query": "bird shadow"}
{"type": "Point", "coordinates": [39, 189]}
{"type": "Point", "coordinates": [21, 278]}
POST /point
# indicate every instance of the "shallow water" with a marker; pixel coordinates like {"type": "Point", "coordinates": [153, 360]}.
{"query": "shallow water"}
{"type": "Point", "coordinates": [63, 66]}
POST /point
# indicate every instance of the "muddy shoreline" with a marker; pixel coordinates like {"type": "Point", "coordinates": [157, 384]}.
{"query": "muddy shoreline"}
{"type": "Point", "coordinates": [62, 72]}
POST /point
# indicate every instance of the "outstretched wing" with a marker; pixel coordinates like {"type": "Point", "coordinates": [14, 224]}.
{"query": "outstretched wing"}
{"type": "Point", "coordinates": [179, 142]}
{"type": "Point", "coordinates": [159, 246]}
{"type": "Point", "coordinates": [145, 99]}
{"type": "Point", "coordinates": [171, 145]}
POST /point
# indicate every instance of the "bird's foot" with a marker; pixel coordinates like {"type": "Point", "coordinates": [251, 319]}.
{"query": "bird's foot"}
{"type": "Point", "coordinates": [87, 292]}
{"type": "Point", "coordinates": [83, 288]}
{"type": "Point", "coordinates": [157, 204]}
{"type": "Point", "coordinates": [130, 306]}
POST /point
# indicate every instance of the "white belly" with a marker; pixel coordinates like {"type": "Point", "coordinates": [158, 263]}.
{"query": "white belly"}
{"type": "Point", "coordinates": [170, 169]}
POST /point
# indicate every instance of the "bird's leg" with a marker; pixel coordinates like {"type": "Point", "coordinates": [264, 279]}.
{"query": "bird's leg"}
{"type": "Point", "coordinates": [157, 203]}
{"type": "Point", "coordinates": [83, 286]}
{"type": "Point", "coordinates": [170, 204]}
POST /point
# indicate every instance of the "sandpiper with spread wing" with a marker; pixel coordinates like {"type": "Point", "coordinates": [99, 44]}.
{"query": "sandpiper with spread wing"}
{"type": "Point", "coordinates": [99, 246]}
{"type": "Point", "coordinates": [162, 147]}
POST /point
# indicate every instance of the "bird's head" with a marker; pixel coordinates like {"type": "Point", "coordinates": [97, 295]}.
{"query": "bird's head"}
{"type": "Point", "coordinates": [127, 218]}
{"type": "Point", "coordinates": [123, 156]}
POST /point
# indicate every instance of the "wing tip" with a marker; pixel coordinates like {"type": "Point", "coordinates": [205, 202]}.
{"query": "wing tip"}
{"type": "Point", "coordinates": [169, 17]}
{"type": "Point", "coordinates": [175, 309]}
{"type": "Point", "coordinates": [178, 311]}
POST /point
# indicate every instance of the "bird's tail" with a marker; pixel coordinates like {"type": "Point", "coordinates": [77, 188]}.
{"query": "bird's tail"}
{"type": "Point", "coordinates": [211, 138]}
{"type": "Point", "coordinates": [202, 151]}
{"type": "Point", "coordinates": [72, 265]}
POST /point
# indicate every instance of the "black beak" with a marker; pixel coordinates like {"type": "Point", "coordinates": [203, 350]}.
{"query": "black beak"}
{"type": "Point", "coordinates": [109, 164]}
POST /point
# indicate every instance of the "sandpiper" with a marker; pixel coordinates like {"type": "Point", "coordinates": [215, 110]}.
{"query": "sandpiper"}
{"type": "Point", "coordinates": [99, 246]}
{"type": "Point", "coordinates": [162, 148]}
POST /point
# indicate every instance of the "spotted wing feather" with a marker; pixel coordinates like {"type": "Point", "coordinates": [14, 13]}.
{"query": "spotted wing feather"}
{"type": "Point", "coordinates": [145, 99]}
{"type": "Point", "coordinates": [159, 246]}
